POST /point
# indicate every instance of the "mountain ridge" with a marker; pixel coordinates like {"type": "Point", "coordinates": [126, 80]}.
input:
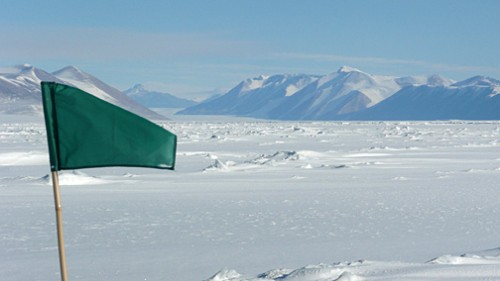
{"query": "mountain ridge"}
{"type": "Point", "coordinates": [351, 94]}
{"type": "Point", "coordinates": [426, 102]}
{"type": "Point", "coordinates": [20, 91]}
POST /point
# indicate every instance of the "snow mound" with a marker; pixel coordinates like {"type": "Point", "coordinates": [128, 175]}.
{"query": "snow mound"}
{"type": "Point", "coordinates": [314, 272]}
{"type": "Point", "coordinates": [320, 272]}
{"type": "Point", "coordinates": [217, 166]}
{"type": "Point", "coordinates": [76, 178]}
{"type": "Point", "coordinates": [263, 159]}
{"type": "Point", "coordinates": [465, 259]}
{"type": "Point", "coordinates": [225, 275]}
{"type": "Point", "coordinates": [278, 156]}
{"type": "Point", "coordinates": [464, 267]}
{"type": "Point", "coordinates": [275, 273]}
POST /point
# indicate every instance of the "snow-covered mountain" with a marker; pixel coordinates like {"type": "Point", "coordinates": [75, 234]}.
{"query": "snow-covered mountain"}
{"type": "Point", "coordinates": [307, 97]}
{"type": "Point", "coordinates": [254, 97]}
{"type": "Point", "coordinates": [20, 90]}
{"type": "Point", "coordinates": [347, 90]}
{"type": "Point", "coordinates": [476, 98]}
{"type": "Point", "coordinates": [152, 99]}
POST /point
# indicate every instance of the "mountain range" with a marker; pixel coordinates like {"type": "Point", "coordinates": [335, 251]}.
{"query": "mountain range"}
{"type": "Point", "coordinates": [476, 98]}
{"type": "Point", "coordinates": [20, 90]}
{"type": "Point", "coordinates": [153, 99]}
{"type": "Point", "coordinates": [351, 94]}
{"type": "Point", "coordinates": [347, 94]}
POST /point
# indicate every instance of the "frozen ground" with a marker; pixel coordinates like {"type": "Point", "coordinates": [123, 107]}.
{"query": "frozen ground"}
{"type": "Point", "coordinates": [256, 200]}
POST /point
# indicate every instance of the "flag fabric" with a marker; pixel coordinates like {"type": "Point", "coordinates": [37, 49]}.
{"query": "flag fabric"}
{"type": "Point", "coordinates": [84, 131]}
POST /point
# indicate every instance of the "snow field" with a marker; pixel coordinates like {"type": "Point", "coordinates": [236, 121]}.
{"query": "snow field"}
{"type": "Point", "coordinates": [396, 200]}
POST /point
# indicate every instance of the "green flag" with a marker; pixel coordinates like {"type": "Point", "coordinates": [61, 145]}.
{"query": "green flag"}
{"type": "Point", "coordinates": [84, 131]}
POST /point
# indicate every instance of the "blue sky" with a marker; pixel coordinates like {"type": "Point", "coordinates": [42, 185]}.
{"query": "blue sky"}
{"type": "Point", "coordinates": [193, 48]}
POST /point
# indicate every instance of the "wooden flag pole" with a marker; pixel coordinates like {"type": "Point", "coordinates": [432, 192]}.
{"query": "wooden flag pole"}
{"type": "Point", "coordinates": [60, 235]}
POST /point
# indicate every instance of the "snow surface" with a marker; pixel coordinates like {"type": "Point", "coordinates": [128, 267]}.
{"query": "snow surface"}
{"type": "Point", "coordinates": [259, 200]}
